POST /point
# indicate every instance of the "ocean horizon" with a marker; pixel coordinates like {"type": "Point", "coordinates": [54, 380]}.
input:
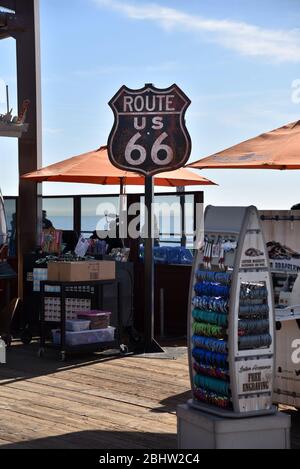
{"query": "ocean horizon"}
{"type": "Point", "coordinates": [90, 224]}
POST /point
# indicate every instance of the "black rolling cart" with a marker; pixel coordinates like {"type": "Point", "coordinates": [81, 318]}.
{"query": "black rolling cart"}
{"type": "Point", "coordinates": [66, 291]}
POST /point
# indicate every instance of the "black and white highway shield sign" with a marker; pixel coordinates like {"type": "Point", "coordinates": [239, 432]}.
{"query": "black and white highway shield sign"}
{"type": "Point", "coordinates": [149, 135]}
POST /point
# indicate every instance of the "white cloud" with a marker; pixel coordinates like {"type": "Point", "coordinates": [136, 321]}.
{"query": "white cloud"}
{"type": "Point", "coordinates": [244, 38]}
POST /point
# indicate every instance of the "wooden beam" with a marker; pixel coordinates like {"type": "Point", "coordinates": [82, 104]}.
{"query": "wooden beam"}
{"type": "Point", "coordinates": [29, 87]}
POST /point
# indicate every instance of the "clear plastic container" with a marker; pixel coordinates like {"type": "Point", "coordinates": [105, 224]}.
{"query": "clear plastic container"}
{"type": "Point", "coordinates": [85, 337]}
{"type": "Point", "coordinates": [77, 325]}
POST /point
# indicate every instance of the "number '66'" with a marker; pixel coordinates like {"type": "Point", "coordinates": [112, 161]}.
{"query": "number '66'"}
{"type": "Point", "coordinates": [157, 147]}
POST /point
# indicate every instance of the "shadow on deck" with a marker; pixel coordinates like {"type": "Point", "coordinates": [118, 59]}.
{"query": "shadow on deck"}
{"type": "Point", "coordinates": [96, 440]}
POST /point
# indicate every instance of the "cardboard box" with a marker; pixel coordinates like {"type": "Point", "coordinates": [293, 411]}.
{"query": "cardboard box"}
{"type": "Point", "coordinates": [81, 271]}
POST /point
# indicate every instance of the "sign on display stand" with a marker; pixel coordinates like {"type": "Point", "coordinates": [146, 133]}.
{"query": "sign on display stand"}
{"type": "Point", "coordinates": [149, 136]}
{"type": "Point", "coordinates": [231, 318]}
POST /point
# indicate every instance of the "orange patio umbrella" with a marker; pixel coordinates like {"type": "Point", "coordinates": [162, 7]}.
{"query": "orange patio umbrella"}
{"type": "Point", "coordinates": [95, 168]}
{"type": "Point", "coordinates": [278, 149]}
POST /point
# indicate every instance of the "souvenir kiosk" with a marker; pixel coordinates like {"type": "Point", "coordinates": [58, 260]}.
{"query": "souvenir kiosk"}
{"type": "Point", "coordinates": [231, 339]}
{"type": "Point", "coordinates": [282, 233]}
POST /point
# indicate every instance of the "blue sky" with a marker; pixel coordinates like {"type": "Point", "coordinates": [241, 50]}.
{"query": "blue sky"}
{"type": "Point", "coordinates": [236, 60]}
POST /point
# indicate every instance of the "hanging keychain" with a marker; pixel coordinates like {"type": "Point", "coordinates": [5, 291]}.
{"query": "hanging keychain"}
{"type": "Point", "coordinates": [210, 251]}
{"type": "Point", "coordinates": [216, 248]}
{"type": "Point", "coordinates": [222, 256]}
{"type": "Point", "coordinates": [205, 253]}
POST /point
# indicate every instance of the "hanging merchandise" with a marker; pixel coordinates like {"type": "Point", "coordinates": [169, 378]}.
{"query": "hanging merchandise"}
{"type": "Point", "coordinates": [212, 384]}
{"type": "Point", "coordinates": [211, 303]}
{"type": "Point", "coordinates": [211, 289]}
{"type": "Point", "coordinates": [231, 324]}
{"type": "Point", "coordinates": [209, 343]}
{"type": "Point", "coordinates": [252, 342]}
{"type": "Point", "coordinates": [211, 398]}
{"type": "Point", "coordinates": [253, 326]}
{"type": "Point", "coordinates": [210, 317]}
{"type": "Point", "coordinates": [222, 256]}
{"type": "Point", "coordinates": [206, 248]}
{"type": "Point", "coordinates": [217, 372]}
{"type": "Point", "coordinates": [253, 310]}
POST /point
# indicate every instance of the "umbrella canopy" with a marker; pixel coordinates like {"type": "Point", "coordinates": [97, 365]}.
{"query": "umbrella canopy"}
{"type": "Point", "coordinates": [278, 149]}
{"type": "Point", "coordinates": [95, 168]}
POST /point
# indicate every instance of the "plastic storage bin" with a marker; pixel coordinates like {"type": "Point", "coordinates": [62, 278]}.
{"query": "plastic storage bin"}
{"type": "Point", "coordinates": [97, 319]}
{"type": "Point", "coordinates": [85, 337]}
{"type": "Point", "coordinates": [77, 325]}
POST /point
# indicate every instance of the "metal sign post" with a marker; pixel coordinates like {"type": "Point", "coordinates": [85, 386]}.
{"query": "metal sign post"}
{"type": "Point", "coordinates": [149, 136]}
{"type": "Point", "coordinates": [150, 343]}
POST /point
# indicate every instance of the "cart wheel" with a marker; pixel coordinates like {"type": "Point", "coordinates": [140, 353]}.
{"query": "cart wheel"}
{"type": "Point", "coordinates": [26, 337]}
{"type": "Point", "coordinates": [41, 352]}
{"type": "Point", "coordinates": [123, 349]}
{"type": "Point", "coordinates": [62, 356]}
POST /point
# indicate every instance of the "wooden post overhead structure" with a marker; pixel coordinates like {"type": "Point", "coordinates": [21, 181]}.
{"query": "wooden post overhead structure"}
{"type": "Point", "coordinates": [22, 24]}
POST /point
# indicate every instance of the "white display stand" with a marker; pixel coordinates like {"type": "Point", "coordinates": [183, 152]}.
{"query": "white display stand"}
{"type": "Point", "coordinates": [2, 352]}
{"type": "Point", "coordinates": [231, 317]}
{"type": "Point", "coordinates": [232, 339]}
{"type": "Point", "coordinates": [200, 430]}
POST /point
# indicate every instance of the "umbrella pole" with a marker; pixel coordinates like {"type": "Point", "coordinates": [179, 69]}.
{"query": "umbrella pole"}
{"type": "Point", "coordinates": [151, 346]}
{"type": "Point", "coordinates": [122, 186]}
{"type": "Point", "coordinates": [181, 191]}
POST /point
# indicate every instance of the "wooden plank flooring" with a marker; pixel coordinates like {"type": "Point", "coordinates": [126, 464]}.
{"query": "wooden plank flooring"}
{"type": "Point", "coordinates": [95, 402]}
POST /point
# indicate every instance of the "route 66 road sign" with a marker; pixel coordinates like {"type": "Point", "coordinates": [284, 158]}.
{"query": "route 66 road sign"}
{"type": "Point", "coordinates": [149, 135]}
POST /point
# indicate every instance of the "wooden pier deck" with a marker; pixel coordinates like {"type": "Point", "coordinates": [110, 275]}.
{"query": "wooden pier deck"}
{"type": "Point", "coordinates": [96, 402]}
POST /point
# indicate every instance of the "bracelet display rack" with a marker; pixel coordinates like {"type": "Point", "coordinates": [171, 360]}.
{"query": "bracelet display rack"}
{"type": "Point", "coordinates": [231, 317]}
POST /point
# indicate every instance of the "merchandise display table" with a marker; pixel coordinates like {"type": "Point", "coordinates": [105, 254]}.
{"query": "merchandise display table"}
{"type": "Point", "coordinates": [59, 300]}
